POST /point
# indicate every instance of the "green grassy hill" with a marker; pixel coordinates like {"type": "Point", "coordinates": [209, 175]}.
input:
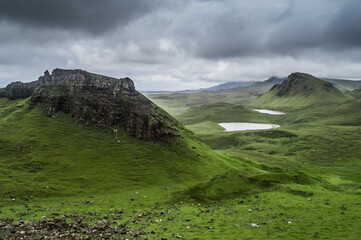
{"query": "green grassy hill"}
{"type": "Point", "coordinates": [46, 157]}
{"type": "Point", "coordinates": [298, 91]}
{"type": "Point", "coordinates": [319, 144]}
{"type": "Point", "coordinates": [178, 103]}
{"type": "Point", "coordinates": [221, 112]}
{"type": "Point", "coordinates": [55, 167]}
{"type": "Point", "coordinates": [355, 93]}
{"type": "Point", "coordinates": [292, 182]}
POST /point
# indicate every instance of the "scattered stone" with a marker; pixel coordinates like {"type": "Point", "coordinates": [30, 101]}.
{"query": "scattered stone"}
{"type": "Point", "coordinates": [254, 225]}
{"type": "Point", "coordinates": [58, 228]}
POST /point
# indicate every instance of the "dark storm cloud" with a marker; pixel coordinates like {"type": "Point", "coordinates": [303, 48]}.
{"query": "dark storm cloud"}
{"type": "Point", "coordinates": [183, 43]}
{"type": "Point", "coordinates": [94, 16]}
{"type": "Point", "coordinates": [288, 29]}
{"type": "Point", "coordinates": [209, 29]}
{"type": "Point", "coordinates": [345, 29]}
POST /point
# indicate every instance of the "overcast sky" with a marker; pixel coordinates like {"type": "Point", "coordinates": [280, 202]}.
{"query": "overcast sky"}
{"type": "Point", "coordinates": [180, 44]}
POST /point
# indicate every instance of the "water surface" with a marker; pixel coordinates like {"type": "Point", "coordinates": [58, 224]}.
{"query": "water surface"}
{"type": "Point", "coordinates": [269, 111]}
{"type": "Point", "coordinates": [241, 126]}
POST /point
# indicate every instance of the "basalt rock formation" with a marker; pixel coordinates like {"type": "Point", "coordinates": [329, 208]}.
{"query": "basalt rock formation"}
{"type": "Point", "coordinates": [96, 100]}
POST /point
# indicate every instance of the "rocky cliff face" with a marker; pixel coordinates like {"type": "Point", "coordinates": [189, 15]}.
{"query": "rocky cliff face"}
{"type": "Point", "coordinates": [96, 100]}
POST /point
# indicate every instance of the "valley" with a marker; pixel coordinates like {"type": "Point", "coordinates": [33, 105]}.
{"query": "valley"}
{"type": "Point", "coordinates": [180, 120]}
{"type": "Point", "coordinates": [80, 180]}
{"type": "Point", "coordinates": [316, 138]}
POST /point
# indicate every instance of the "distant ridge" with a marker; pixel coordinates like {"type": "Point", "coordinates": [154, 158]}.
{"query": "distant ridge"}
{"type": "Point", "coordinates": [344, 85]}
{"type": "Point", "coordinates": [271, 81]}
{"type": "Point", "coordinates": [222, 86]}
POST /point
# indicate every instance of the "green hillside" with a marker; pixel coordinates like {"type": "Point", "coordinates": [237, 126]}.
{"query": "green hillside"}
{"type": "Point", "coordinates": [47, 157]}
{"type": "Point", "coordinates": [220, 112]}
{"type": "Point", "coordinates": [83, 181]}
{"type": "Point", "coordinates": [355, 93]}
{"type": "Point", "coordinates": [54, 167]}
{"type": "Point", "coordinates": [344, 85]}
{"type": "Point", "coordinates": [298, 91]}
{"type": "Point", "coordinates": [178, 103]}
{"type": "Point", "coordinates": [321, 142]}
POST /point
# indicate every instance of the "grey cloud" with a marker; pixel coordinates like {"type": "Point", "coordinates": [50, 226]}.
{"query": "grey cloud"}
{"type": "Point", "coordinates": [345, 29]}
{"type": "Point", "coordinates": [289, 30]}
{"type": "Point", "coordinates": [181, 42]}
{"type": "Point", "coordinates": [92, 16]}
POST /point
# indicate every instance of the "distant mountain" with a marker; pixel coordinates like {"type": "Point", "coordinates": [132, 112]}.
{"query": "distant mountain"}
{"type": "Point", "coordinates": [344, 85]}
{"type": "Point", "coordinates": [238, 85]}
{"type": "Point", "coordinates": [263, 86]}
{"type": "Point", "coordinates": [271, 81]}
{"type": "Point", "coordinates": [222, 86]}
{"type": "Point", "coordinates": [228, 85]}
{"type": "Point", "coordinates": [175, 103]}
{"type": "Point", "coordinates": [300, 90]}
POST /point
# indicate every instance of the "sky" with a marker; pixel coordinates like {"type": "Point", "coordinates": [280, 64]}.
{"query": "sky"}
{"type": "Point", "coordinates": [180, 44]}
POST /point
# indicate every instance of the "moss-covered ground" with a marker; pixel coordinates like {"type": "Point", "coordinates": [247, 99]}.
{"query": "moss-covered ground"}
{"type": "Point", "coordinates": [300, 181]}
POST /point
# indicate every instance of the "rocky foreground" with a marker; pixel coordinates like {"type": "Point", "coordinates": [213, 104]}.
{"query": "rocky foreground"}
{"type": "Point", "coordinates": [77, 228]}
{"type": "Point", "coordinates": [60, 229]}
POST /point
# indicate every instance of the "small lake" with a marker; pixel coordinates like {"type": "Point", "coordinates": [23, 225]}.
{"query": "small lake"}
{"type": "Point", "coordinates": [269, 111]}
{"type": "Point", "coordinates": [241, 126]}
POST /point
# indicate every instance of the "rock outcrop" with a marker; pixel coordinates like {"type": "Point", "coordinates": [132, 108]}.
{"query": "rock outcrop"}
{"type": "Point", "coordinates": [17, 90]}
{"type": "Point", "coordinates": [96, 100]}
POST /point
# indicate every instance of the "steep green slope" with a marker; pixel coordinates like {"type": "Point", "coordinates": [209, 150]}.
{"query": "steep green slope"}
{"type": "Point", "coordinates": [345, 114]}
{"type": "Point", "coordinates": [298, 91]}
{"type": "Point", "coordinates": [355, 93]}
{"type": "Point", "coordinates": [44, 157]}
